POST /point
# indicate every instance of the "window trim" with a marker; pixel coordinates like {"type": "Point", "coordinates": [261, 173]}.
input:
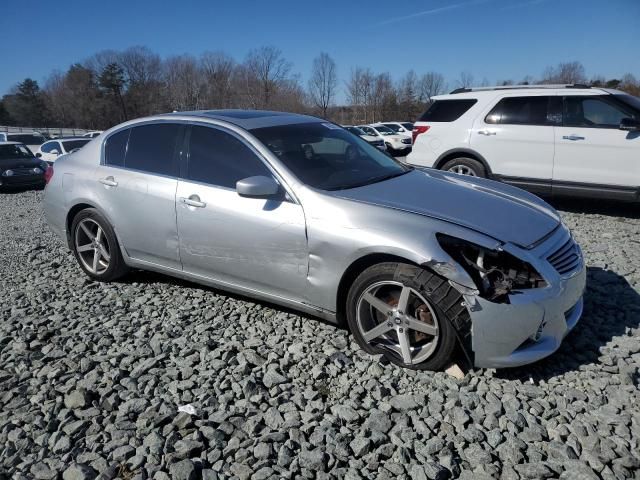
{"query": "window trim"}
{"type": "Point", "coordinates": [608, 99]}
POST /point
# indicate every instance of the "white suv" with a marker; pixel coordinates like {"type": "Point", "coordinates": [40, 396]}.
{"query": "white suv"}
{"type": "Point", "coordinates": [549, 139]}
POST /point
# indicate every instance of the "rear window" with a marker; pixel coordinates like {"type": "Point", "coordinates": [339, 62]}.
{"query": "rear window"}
{"type": "Point", "coordinates": [447, 110]}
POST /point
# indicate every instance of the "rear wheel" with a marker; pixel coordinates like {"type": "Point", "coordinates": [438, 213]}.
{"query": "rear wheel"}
{"type": "Point", "coordinates": [95, 246]}
{"type": "Point", "coordinates": [465, 166]}
{"type": "Point", "coordinates": [407, 314]}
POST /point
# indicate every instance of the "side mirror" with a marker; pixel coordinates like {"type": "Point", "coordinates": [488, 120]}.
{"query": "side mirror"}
{"type": "Point", "coordinates": [257, 187]}
{"type": "Point", "coordinates": [629, 124]}
{"type": "Point", "coordinates": [55, 152]}
{"type": "Point", "coordinates": [39, 155]}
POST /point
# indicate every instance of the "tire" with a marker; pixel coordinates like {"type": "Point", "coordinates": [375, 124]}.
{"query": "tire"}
{"type": "Point", "coordinates": [465, 166]}
{"type": "Point", "coordinates": [430, 302]}
{"type": "Point", "coordinates": [87, 226]}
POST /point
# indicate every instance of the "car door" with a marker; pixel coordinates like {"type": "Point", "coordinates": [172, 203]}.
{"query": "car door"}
{"type": "Point", "coordinates": [255, 243]}
{"type": "Point", "coordinates": [516, 138]}
{"type": "Point", "coordinates": [136, 186]}
{"type": "Point", "coordinates": [592, 154]}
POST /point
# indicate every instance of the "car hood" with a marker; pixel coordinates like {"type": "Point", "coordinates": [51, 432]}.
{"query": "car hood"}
{"type": "Point", "coordinates": [9, 163]}
{"type": "Point", "coordinates": [500, 211]}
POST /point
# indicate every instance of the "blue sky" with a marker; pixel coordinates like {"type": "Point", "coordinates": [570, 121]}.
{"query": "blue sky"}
{"type": "Point", "coordinates": [492, 39]}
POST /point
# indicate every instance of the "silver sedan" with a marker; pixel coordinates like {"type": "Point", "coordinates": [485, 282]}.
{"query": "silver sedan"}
{"type": "Point", "coordinates": [294, 210]}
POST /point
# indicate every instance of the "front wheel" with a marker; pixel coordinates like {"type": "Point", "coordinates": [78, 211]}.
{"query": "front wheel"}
{"type": "Point", "coordinates": [465, 166]}
{"type": "Point", "coordinates": [95, 246]}
{"type": "Point", "coordinates": [407, 314]}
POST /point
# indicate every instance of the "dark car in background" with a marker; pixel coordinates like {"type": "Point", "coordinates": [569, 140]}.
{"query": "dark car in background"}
{"type": "Point", "coordinates": [19, 167]}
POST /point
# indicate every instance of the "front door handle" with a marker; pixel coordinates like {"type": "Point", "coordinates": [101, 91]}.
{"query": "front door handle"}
{"type": "Point", "coordinates": [572, 137]}
{"type": "Point", "coordinates": [109, 181]}
{"type": "Point", "coordinates": [486, 132]}
{"type": "Point", "coordinates": [193, 201]}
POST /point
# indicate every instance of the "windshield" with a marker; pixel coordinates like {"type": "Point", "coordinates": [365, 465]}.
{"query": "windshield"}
{"type": "Point", "coordinates": [392, 126]}
{"type": "Point", "coordinates": [12, 151]}
{"type": "Point", "coordinates": [356, 131]}
{"type": "Point", "coordinates": [382, 130]}
{"type": "Point", "coordinates": [72, 145]}
{"type": "Point", "coordinates": [408, 126]}
{"type": "Point", "coordinates": [325, 156]}
{"type": "Point", "coordinates": [630, 100]}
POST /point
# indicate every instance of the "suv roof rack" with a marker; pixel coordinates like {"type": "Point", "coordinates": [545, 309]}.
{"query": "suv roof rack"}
{"type": "Point", "coordinates": [518, 87]}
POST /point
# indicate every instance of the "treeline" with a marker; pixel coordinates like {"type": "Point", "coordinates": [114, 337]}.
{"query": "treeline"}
{"type": "Point", "coordinates": [113, 86]}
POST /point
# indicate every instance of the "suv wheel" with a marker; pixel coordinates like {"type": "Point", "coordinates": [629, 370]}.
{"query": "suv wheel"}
{"type": "Point", "coordinates": [95, 246]}
{"type": "Point", "coordinates": [465, 166]}
{"type": "Point", "coordinates": [407, 314]}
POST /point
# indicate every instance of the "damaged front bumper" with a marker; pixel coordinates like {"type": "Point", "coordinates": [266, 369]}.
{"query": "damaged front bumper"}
{"type": "Point", "coordinates": [534, 322]}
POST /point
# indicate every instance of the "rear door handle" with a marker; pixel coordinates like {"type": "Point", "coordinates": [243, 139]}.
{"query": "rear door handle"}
{"type": "Point", "coordinates": [193, 201]}
{"type": "Point", "coordinates": [486, 132]}
{"type": "Point", "coordinates": [572, 137]}
{"type": "Point", "coordinates": [109, 181]}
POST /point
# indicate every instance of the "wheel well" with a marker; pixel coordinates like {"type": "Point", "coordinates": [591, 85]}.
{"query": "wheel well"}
{"type": "Point", "coordinates": [71, 215]}
{"type": "Point", "coordinates": [350, 275]}
{"type": "Point", "coordinates": [462, 153]}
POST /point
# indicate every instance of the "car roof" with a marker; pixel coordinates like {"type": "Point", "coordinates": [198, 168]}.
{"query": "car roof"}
{"type": "Point", "coordinates": [248, 119]}
{"type": "Point", "coordinates": [462, 93]}
{"type": "Point", "coordinates": [11, 143]}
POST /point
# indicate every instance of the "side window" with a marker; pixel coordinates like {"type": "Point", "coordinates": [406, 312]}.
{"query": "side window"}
{"type": "Point", "coordinates": [152, 148]}
{"type": "Point", "coordinates": [447, 110]}
{"type": "Point", "coordinates": [115, 148]}
{"type": "Point", "coordinates": [369, 131]}
{"type": "Point", "coordinates": [592, 111]}
{"type": "Point", "coordinates": [220, 159]}
{"type": "Point", "coordinates": [525, 111]}
{"type": "Point", "coordinates": [48, 147]}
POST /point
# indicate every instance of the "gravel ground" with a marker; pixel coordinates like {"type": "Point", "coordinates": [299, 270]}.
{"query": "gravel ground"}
{"type": "Point", "coordinates": [93, 378]}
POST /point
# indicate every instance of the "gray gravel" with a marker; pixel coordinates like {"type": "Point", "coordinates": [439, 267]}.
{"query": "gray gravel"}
{"type": "Point", "coordinates": [92, 376]}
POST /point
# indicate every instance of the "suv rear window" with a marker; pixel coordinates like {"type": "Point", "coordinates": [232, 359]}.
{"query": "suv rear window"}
{"type": "Point", "coordinates": [532, 110]}
{"type": "Point", "coordinates": [447, 110]}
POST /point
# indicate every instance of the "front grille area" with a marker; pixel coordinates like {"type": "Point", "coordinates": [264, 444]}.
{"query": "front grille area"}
{"type": "Point", "coordinates": [24, 171]}
{"type": "Point", "coordinates": [565, 259]}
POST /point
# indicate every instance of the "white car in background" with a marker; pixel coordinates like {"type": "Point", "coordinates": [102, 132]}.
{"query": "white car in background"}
{"type": "Point", "coordinates": [51, 150]}
{"type": "Point", "coordinates": [93, 134]}
{"type": "Point", "coordinates": [395, 143]}
{"type": "Point", "coordinates": [375, 141]}
{"type": "Point", "coordinates": [401, 128]}
{"type": "Point", "coordinates": [553, 140]}
{"type": "Point", "coordinates": [31, 140]}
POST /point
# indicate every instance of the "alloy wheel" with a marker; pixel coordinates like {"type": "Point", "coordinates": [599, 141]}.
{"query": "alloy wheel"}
{"type": "Point", "coordinates": [92, 246]}
{"type": "Point", "coordinates": [463, 170]}
{"type": "Point", "coordinates": [399, 319]}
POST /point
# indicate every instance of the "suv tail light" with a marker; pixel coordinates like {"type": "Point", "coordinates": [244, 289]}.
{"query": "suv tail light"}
{"type": "Point", "coordinates": [417, 130]}
{"type": "Point", "coordinates": [48, 174]}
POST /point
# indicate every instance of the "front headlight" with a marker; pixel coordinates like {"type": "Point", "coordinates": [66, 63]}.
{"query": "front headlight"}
{"type": "Point", "coordinates": [7, 173]}
{"type": "Point", "coordinates": [495, 273]}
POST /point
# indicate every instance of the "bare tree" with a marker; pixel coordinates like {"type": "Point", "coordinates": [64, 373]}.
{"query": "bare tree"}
{"type": "Point", "coordinates": [465, 80]}
{"type": "Point", "coordinates": [218, 74]}
{"type": "Point", "coordinates": [269, 69]}
{"type": "Point", "coordinates": [323, 82]}
{"type": "Point", "coordinates": [570, 72]}
{"type": "Point", "coordinates": [184, 83]}
{"type": "Point", "coordinates": [143, 72]}
{"type": "Point", "coordinates": [430, 85]}
{"type": "Point", "coordinates": [407, 95]}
